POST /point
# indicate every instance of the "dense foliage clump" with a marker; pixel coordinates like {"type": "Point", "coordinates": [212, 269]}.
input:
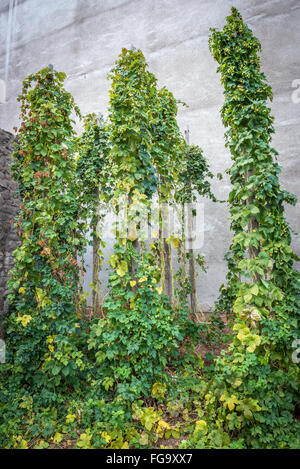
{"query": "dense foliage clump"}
{"type": "Point", "coordinates": [42, 330]}
{"type": "Point", "coordinates": [258, 373]}
{"type": "Point", "coordinates": [140, 332]}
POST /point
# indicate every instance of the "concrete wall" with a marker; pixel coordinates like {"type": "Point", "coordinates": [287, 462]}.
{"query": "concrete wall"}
{"type": "Point", "coordinates": [84, 37]}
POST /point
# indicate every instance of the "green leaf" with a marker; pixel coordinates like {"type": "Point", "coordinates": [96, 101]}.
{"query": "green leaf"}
{"type": "Point", "coordinates": [254, 290]}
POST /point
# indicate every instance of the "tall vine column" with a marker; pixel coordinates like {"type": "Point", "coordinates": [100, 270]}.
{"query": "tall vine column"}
{"type": "Point", "coordinates": [42, 324]}
{"type": "Point", "coordinates": [95, 187]}
{"type": "Point", "coordinates": [263, 288]}
{"type": "Point", "coordinates": [167, 154]}
{"type": "Point", "coordinates": [132, 100]}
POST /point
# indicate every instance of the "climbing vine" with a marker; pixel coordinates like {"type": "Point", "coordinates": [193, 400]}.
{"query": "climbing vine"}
{"type": "Point", "coordinates": [257, 379]}
{"type": "Point", "coordinates": [93, 172]}
{"type": "Point", "coordinates": [166, 153]}
{"type": "Point", "coordinates": [140, 333]}
{"type": "Point", "coordinates": [193, 182]}
{"type": "Point", "coordinates": [42, 327]}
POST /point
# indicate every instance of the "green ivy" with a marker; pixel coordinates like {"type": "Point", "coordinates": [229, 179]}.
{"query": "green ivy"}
{"type": "Point", "coordinates": [263, 288]}
{"type": "Point", "coordinates": [194, 176]}
{"type": "Point", "coordinates": [92, 162]}
{"type": "Point", "coordinates": [95, 188]}
{"type": "Point", "coordinates": [140, 332]}
{"type": "Point", "coordinates": [166, 154]}
{"type": "Point", "coordinates": [42, 328]}
{"type": "Point", "coordinates": [131, 116]}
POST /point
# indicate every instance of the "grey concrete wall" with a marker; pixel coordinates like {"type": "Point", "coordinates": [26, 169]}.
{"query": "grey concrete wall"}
{"type": "Point", "coordinates": [84, 37]}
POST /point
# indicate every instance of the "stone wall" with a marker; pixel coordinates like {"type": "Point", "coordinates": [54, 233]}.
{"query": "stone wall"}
{"type": "Point", "coordinates": [8, 210]}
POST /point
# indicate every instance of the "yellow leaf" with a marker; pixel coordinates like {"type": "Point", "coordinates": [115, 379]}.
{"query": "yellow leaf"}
{"type": "Point", "coordinates": [254, 290]}
{"type": "Point", "coordinates": [23, 444]}
{"type": "Point", "coordinates": [237, 383]}
{"type": "Point", "coordinates": [231, 402]}
{"type": "Point", "coordinates": [175, 242]}
{"type": "Point", "coordinates": [201, 425]}
{"type": "Point", "coordinates": [106, 436]}
{"type": "Point", "coordinates": [113, 261]}
{"type": "Point", "coordinates": [159, 388]}
{"type": "Point", "coordinates": [255, 342]}
{"type": "Point", "coordinates": [163, 425]}
{"type": "Point", "coordinates": [132, 283]}
{"type": "Point", "coordinates": [144, 439]}
{"type": "Point", "coordinates": [122, 269]}
{"type": "Point", "coordinates": [22, 290]}
{"type": "Point", "coordinates": [58, 437]}
{"type": "Point", "coordinates": [25, 319]}
{"type": "Point", "coordinates": [70, 418]}
{"type": "Point", "coordinates": [142, 279]}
